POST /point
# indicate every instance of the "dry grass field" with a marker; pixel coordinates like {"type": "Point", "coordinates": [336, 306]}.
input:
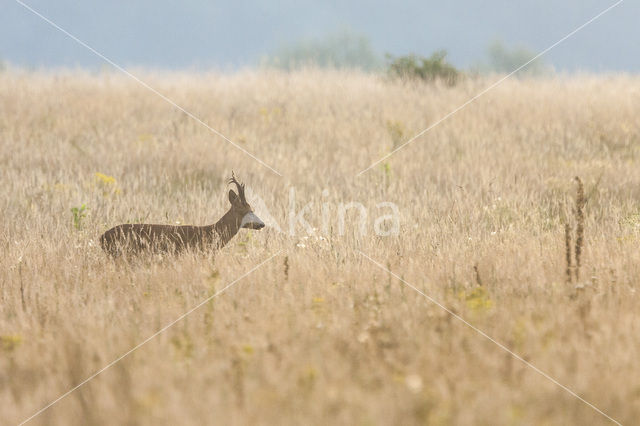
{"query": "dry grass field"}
{"type": "Point", "coordinates": [319, 334]}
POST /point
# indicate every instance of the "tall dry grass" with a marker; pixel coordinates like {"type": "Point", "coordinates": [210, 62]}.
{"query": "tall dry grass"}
{"type": "Point", "coordinates": [320, 335]}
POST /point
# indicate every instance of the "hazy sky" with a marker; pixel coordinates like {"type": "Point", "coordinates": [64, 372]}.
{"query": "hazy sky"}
{"type": "Point", "coordinates": [230, 34]}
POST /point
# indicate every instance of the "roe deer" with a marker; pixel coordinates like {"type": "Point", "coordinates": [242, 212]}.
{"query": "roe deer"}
{"type": "Point", "coordinates": [132, 239]}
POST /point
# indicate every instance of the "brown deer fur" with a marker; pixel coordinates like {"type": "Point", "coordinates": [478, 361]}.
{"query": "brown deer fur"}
{"type": "Point", "coordinates": [131, 239]}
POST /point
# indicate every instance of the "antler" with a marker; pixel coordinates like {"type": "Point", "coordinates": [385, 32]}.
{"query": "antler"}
{"type": "Point", "coordinates": [239, 185]}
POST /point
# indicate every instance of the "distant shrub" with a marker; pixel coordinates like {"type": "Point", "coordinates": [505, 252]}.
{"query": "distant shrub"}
{"type": "Point", "coordinates": [341, 50]}
{"type": "Point", "coordinates": [429, 69]}
{"type": "Point", "coordinates": [503, 59]}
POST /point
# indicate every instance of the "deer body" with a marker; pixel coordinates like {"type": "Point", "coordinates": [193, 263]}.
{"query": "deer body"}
{"type": "Point", "coordinates": [152, 238]}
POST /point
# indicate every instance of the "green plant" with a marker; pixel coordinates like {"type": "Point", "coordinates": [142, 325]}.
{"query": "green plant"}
{"type": "Point", "coordinates": [431, 69]}
{"type": "Point", "coordinates": [476, 299]}
{"type": "Point", "coordinates": [107, 184]}
{"type": "Point", "coordinates": [9, 343]}
{"type": "Point", "coordinates": [579, 232]}
{"type": "Point", "coordinates": [386, 168]}
{"type": "Point", "coordinates": [78, 213]}
{"type": "Point", "coordinates": [396, 131]}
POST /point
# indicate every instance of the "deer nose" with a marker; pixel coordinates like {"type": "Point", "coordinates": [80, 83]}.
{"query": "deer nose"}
{"type": "Point", "coordinates": [251, 221]}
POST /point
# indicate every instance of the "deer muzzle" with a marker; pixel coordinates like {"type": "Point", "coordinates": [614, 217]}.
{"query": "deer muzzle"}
{"type": "Point", "coordinates": [251, 221]}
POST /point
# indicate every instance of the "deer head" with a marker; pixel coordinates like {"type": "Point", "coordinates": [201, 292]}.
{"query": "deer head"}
{"type": "Point", "coordinates": [241, 208]}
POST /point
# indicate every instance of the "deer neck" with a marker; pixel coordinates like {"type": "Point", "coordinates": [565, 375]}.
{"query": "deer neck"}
{"type": "Point", "coordinates": [227, 227]}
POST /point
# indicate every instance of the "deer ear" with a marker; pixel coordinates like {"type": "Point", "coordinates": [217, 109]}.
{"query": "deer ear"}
{"type": "Point", "coordinates": [233, 197]}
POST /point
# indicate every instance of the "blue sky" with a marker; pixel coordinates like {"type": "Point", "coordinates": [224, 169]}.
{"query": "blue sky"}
{"type": "Point", "coordinates": [228, 35]}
